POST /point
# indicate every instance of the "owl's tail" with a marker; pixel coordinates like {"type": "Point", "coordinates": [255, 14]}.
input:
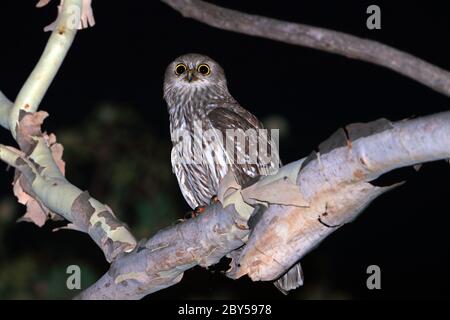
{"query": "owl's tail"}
{"type": "Point", "coordinates": [294, 277]}
{"type": "Point", "coordinates": [290, 280]}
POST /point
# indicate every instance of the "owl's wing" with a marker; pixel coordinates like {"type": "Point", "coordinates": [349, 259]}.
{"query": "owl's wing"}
{"type": "Point", "coordinates": [245, 164]}
{"type": "Point", "coordinates": [244, 113]}
{"type": "Point", "coordinates": [179, 169]}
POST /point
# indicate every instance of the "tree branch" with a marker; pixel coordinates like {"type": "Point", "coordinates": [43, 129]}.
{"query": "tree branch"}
{"type": "Point", "coordinates": [335, 184]}
{"type": "Point", "coordinates": [5, 107]}
{"type": "Point", "coordinates": [37, 84]}
{"type": "Point", "coordinates": [41, 184]}
{"type": "Point", "coordinates": [316, 38]}
{"type": "Point", "coordinates": [315, 196]}
{"type": "Point", "coordinates": [160, 262]}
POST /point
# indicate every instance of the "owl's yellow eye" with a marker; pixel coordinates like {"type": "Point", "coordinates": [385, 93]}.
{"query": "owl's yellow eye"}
{"type": "Point", "coordinates": [180, 68]}
{"type": "Point", "coordinates": [204, 69]}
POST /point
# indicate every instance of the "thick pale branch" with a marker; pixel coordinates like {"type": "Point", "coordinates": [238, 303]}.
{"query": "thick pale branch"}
{"type": "Point", "coordinates": [161, 261]}
{"type": "Point", "coordinates": [5, 108]}
{"type": "Point", "coordinates": [37, 84]}
{"type": "Point", "coordinates": [317, 38]}
{"type": "Point", "coordinates": [314, 197]}
{"type": "Point", "coordinates": [335, 184]}
{"type": "Point", "coordinates": [11, 156]}
{"type": "Point", "coordinates": [395, 145]}
{"type": "Point", "coordinates": [42, 185]}
{"type": "Point", "coordinates": [53, 191]}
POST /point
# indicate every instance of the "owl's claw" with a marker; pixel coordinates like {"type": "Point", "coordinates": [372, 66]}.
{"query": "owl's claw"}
{"type": "Point", "coordinates": [196, 212]}
{"type": "Point", "coordinates": [214, 199]}
{"type": "Point", "coordinates": [201, 209]}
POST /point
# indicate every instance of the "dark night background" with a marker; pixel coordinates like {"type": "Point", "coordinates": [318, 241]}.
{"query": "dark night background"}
{"type": "Point", "coordinates": [106, 108]}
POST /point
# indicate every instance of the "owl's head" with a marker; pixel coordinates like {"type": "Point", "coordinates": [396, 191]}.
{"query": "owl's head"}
{"type": "Point", "coordinates": [191, 72]}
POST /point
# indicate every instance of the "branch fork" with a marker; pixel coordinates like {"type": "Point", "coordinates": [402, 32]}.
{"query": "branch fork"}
{"type": "Point", "coordinates": [264, 232]}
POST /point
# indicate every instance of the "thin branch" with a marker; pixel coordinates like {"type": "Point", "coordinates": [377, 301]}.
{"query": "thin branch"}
{"type": "Point", "coordinates": [316, 38]}
{"type": "Point", "coordinates": [315, 196]}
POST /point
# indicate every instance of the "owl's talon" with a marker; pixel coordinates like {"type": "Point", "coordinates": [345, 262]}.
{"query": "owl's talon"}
{"type": "Point", "coordinates": [196, 212]}
{"type": "Point", "coordinates": [214, 199]}
{"type": "Point", "coordinates": [199, 210]}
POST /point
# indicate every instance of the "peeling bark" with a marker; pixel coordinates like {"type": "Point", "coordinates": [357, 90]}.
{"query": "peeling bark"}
{"type": "Point", "coordinates": [264, 232]}
{"type": "Point", "coordinates": [39, 160]}
{"type": "Point", "coordinates": [160, 262]}
{"type": "Point", "coordinates": [331, 191]}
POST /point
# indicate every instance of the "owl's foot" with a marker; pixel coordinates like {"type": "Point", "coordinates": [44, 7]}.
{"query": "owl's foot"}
{"type": "Point", "coordinates": [192, 214]}
{"type": "Point", "coordinates": [199, 210]}
{"type": "Point", "coordinates": [196, 212]}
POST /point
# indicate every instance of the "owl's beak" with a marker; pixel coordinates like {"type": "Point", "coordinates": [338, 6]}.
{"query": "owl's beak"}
{"type": "Point", "coordinates": [190, 75]}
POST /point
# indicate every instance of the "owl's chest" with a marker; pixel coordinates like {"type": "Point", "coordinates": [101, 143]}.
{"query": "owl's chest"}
{"type": "Point", "coordinates": [195, 138]}
{"type": "Point", "coordinates": [197, 148]}
{"type": "Point", "coordinates": [190, 117]}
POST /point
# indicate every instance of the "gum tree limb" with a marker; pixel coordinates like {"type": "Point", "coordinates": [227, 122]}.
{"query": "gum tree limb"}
{"type": "Point", "coordinates": [161, 261]}
{"type": "Point", "coordinates": [315, 196]}
{"type": "Point", "coordinates": [40, 167]}
{"type": "Point", "coordinates": [336, 185]}
{"type": "Point", "coordinates": [5, 108]}
{"type": "Point", "coordinates": [317, 38]}
{"type": "Point", "coordinates": [37, 84]}
{"type": "Point", "coordinates": [51, 189]}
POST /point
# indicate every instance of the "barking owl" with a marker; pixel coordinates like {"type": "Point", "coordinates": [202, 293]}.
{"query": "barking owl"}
{"type": "Point", "coordinates": [206, 126]}
{"type": "Point", "coordinates": [203, 118]}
